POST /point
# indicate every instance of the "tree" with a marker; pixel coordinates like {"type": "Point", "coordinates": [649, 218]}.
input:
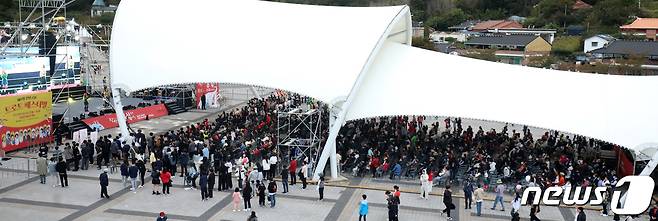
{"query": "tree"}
{"type": "Point", "coordinates": [613, 12]}
{"type": "Point", "coordinates": [422, 43]}
{"type": "Point", "coordinates": [553, 11]}
{"type": "Point", "coordinates": [106, 18]}
{"type": "Point", "coordinates": [418, 10]}
{"type": "Point", "coordinates": [443, 21]}
{"type": "Point", "coordinates": [8, 10]}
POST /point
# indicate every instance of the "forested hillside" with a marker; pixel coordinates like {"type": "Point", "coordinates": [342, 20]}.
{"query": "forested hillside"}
{"type": "Point", "coordinates": [604, 16]}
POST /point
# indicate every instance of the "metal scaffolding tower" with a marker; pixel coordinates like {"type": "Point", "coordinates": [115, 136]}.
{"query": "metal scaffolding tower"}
{"type": "Point", "coordinates": [299, 134]}
{"type": "Point", "coordinates": [34, 25]}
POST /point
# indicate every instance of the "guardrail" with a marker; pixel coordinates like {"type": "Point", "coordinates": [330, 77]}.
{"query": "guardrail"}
{"type": "Point", "coordinates": [16, 169]}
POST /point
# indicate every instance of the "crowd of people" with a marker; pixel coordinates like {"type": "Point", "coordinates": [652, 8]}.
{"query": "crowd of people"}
{"type": "Point", "coordinates": [241, 144]}
{"type": "Point", "coordinates": [236, 145]}
{"type": "Point", "coordinates": [481, 161]}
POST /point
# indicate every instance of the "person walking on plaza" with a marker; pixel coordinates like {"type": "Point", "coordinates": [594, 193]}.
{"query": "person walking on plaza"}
{"type": "Point", "coordinates": [271, 189]}
{"type": "Point", "coordinates": [165, 177]}
{"type": "Point", "coordinates": [132, 172]}
{"type": "Point", "coordinates": [478, 194]}
{"type": "Point", "coordinates": [363, 208]}
{"type": "Point", "coordinates": [447, 201]}
{"type": "Point", "coordinates": [261, 193]}
{"type": "Point", "coordinates": [252, 217]}
{"type": "Point", "coordinates": [284, 179]}
{"type": "Point", "coordinates": [303, 175]}
{"type": "Point", "coordinates": [211, 182]}
{"type": "Point", "coordinates": [424, 185]}
{"type": "Point", "coordinates": [266, 168]}
{"type": "Point", "coordinates": [293, 169]}
{"type": "Point", "coordinates": [500, 190]}
{"type": "Point", "coordinates": [246, 196]}
{"type": "Point", "coordinates": [516, 206]}
{"type": "Point", "coordinates": [273, 164]}
{"type": "Point", "coordinates": [392, 205]}
{"type": "Point", "coordinates": [142, 171]}
{"type": "Point", "coordinates": [42, 168]}
{"type": "Point", "coordinates": [155, 181]}
{"type": "Point", "coordinates": [76, 157]}
{"type": "Point", "coordinates": [581, 214]}
{"type": "Point", "coordinates": [52, 170]}
{"type": "Point", "coordinates": [87, 151]}
{"type": "Point", "coordinates": [236, 199]}
{"type": "Point", "coordinates": [203, 186]}
{"type": "Point", "coordinates": [533, 213]}
{"type": "Point", "coordinates": [468, 194]}
{"type": "Point", "coordinates": [321, 188]}
{"type": "Point", "coordinates": [653, 213]}
{"type": "Point", "coordinates": [396, 192]}
{"type": "Point", "coordinates": [68, 156]}
{"type": "Point", "coordinates": [104, 182]}
{"type": "Point", "coordinates": [124, 173]}
{"type": "Point", "coordinates": [61, 170]}
{"type": "Point", "coordinates": [162, 217]}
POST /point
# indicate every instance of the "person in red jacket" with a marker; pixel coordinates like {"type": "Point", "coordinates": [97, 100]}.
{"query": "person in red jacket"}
{"type": "Point", "coordinates": [293, 169]}
{"type": "Point", "coordinates": [374, 163]}
{"type": "Point", "coordinates": [165, 176]}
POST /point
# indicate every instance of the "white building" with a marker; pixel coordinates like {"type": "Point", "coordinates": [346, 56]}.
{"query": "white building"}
{"type": "Point", "coordinates": [442, 36]}
{"type": "Point", "coordinates": [596, 42]}
{"type": "Point", "coordinates": [99, 8]}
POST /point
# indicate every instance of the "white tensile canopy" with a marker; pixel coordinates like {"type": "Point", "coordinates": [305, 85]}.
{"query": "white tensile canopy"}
{"type": "Point", "coordinates": [360, 61]}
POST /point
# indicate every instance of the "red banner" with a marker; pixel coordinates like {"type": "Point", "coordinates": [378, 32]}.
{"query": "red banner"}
{"type": "Point", "coordinates": [110, 120]}
{"type": "Point", "coordinates": [625, 166]}
{"type": "Point", "coordinates": [211, 90]}
{"type": "Point", "coordinates": [25, 120]}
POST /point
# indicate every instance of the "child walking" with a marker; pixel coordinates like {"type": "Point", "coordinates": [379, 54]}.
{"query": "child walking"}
{"type": "Point", "coordinates": [236, 199]}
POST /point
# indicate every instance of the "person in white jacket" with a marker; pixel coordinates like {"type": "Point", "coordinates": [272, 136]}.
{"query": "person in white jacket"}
{"type": "Point", "coordinates": [425, 185]}
{"type": "Point", "coordinates": [266, 167]}
{"type": "Point", "coordinates": [304, 176]}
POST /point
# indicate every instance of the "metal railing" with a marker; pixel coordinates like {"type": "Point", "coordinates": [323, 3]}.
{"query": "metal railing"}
{"type": "Point", "coordinates": [16, 169]}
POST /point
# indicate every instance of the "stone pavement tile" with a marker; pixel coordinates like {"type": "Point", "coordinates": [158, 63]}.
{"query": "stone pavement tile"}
{"type": "Point", "coordinates": [121, 217]}
{"type": "Point", "coordinates": [11, 211]}
{"type": "Point", "coordinates": [80, 192]}
{"type": "Point", "coordinates": [380, 214]}
{"type": "Point", "coordinates": [405, 185]}
{"type": "Point", "coordinates": [406, 199]}
{"type": "Point", "coordinates": [179, 202]}
{"type": "Point", "coordinates": [39, 203]}
{"type": "Point", "coordinates": [286, 209]}
{"type": "Point", "coordinates": [312, 192]}
{"type": "Point", "coordinates": [147, 214]}
{"type": "Point", "coordinates": [595, 215]}
{"type": "Point", "coordinates": [8, 181]}
{"type": "Point", "coordinates": [93, 173]}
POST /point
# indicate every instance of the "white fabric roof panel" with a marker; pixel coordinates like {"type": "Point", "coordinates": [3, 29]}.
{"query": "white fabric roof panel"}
{"type": "Point", "coordinates": [405, 80]}
{"type": "Point", "coordinates": [320, 51]}
{"type": "Point", "coordinates": [317, 51]}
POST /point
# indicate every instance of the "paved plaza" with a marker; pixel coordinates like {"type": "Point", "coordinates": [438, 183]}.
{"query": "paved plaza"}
{"type": "Point", "coordinates": [23, 198]}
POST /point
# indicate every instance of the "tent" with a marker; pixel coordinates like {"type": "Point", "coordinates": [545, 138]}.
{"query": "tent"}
{"type": "Point", "coordinates": [360, 61]}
